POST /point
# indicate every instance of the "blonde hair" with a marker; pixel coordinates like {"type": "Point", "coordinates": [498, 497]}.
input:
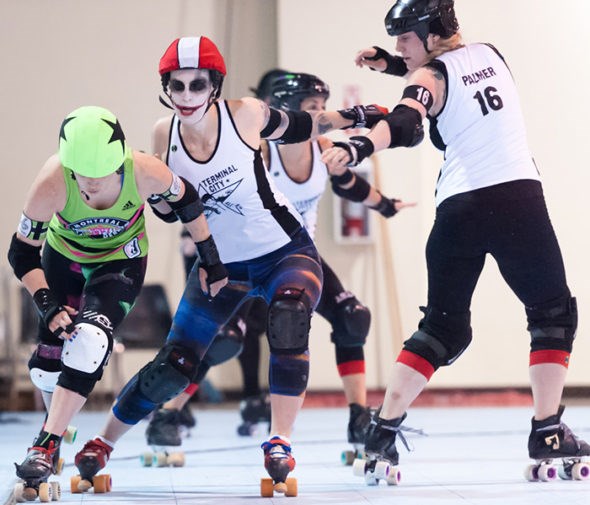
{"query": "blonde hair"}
{"type": "Point", "coordinates": [444, 45]}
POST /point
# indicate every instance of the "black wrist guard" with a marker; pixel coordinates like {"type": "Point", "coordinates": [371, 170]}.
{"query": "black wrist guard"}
{"type": "Point", "coordinates": [395, 64]}
{"type": "Point", "coordinates": [358, 192]}
{"type": "Point", "coordinates": [210, 261]}
{"type": "Point", "coordinates": [363, 116]}
{"type": "Point", "coordinates": [386, 206]}
{"type": "Point", "coordinates": [343, 178]}
{"type": "Point", "coordinates": [358, 148]}
{"type": "Point", "coordinates": [47, 305]}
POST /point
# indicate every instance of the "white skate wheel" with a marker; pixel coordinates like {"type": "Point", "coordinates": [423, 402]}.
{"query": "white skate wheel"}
{"type": "Point", "coordinates": [19, 489]}
{"type": "Point", "coordinates": [531, 473]}
{"type": "Point", "coordinates": [395, 476]}
{"type": "Point", "coordinates": [55, 490]}
{"type": "Point", "coordinates": [381, 470]}
{"type": "Point", "coordinates": [581, 471]}
{"type": "Point", "coordinates": [370, 479]}
{"type": "Point", "coordinates": [70, 434]}
{"type": "Point", "coordinates": [547, 473]}
{"type": "Point", "coordinates": [358, 467]}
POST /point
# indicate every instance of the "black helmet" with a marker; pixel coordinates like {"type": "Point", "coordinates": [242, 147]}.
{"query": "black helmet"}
{"type": "Point", "coordinates": [288, 91]}
{"type": "Point", "coordinates": [422, 17]}
{"type": "Point", "coordinates": [262, 91]}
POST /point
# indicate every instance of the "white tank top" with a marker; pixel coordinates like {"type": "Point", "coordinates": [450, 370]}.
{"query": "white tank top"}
{"type": "Point", "coordinates": [247, 215]}
{"type": "Point", "coordinates": [481, 123]}
{"type": "Point", "coordinates": [304, 195]}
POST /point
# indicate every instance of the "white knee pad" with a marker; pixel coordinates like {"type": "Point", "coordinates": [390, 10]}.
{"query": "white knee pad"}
{"type": "Point", "coordinates": [86, 350]}
{"type": "Point", "coordinates": [43, 380]}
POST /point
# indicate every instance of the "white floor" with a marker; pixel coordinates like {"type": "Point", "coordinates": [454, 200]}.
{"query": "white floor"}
{"type": "Point", "coordinates": [470, 456]}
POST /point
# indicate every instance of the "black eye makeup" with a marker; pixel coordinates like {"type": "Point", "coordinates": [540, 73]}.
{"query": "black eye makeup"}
{"type": "Point", "coordinates": [194, 86]}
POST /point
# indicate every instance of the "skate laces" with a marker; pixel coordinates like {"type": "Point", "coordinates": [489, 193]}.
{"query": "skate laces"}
{"type": "Point", "coordinates": [399, 431]}
{"type": "Point", "coordinates": [277, 448]}
{"type": "Point", "coordinates": [42, 455]}
{"type": "Point", "coordinates": [96, 447]}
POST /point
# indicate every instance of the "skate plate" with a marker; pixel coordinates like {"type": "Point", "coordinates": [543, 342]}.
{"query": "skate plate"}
{"type": "Point", "coordinates": [374, 470]}
{"type": "Point", "coordinates": [161, 457]}
{"type": "Point", "coordinates": [268, 487]}
{"type": "Point", "coordinates": [45, 491]}
{"type": "Point", "coordinates": [101, 483]}
{"type": "Point", "coordinates": [549, 470]}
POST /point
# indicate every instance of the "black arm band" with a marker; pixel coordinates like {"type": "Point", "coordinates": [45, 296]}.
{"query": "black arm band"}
{"type": "Point", "coordinates": [169, 217]}
{"type": "Point", "coordinates": [23, 257]}
{"type": "Point", "coordinates": [419, 93]}
{"type": "Point", "coordinates": [358, 192]}
{"type": "Point", "coordinates": [190, 206]}
{"type": "Point", "coordinates": [395, 64]}
{"type": "Point", "coordinates": [405, 126]}
{"type": "Point", "coordinates": [299, 128]}
{"type": "Point", "coordinates": [208, 253]}
{"type": "Point", "coordinates": [47, 305]}
{"type": "Point", "coordinates": [273, 123]}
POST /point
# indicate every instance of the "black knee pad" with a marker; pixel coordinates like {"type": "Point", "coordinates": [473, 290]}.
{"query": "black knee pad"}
{"type": "Point", "coordinates": [173, 368]}
{"type": "Point", "coordinates": [441, 337]}
{"type": "Point", "coordinates": [350, 323]}
{"type": "Point", "coordinates": [288, 322]}
{"type": "Point", "coordinates": [227, 344]}
{"type": "Point", "coordinates": [553, 325]}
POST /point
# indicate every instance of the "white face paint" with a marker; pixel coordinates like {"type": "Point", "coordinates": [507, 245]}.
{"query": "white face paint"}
{"type": "Point", "coordinates": [190, 90]}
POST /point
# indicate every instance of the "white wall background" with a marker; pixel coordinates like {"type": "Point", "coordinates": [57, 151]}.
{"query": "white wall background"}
{"type": "Point", "coordinates": [60, 54]}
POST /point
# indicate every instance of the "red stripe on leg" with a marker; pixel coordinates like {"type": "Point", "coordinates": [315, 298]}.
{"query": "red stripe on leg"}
{"type": "Point", "coordinates": [416, 362]}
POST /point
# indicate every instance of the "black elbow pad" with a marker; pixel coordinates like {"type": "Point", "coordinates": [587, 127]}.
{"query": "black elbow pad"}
{"type": "Point", "coordinates": [23, 257]}
{"type": "Point", "coordinates": [405, 126]}
{"type": "Point", "coordinates": [299, 128]}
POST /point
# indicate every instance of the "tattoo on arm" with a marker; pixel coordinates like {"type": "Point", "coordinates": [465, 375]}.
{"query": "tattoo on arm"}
{"type": "Point", "coordinates": [437, 75]}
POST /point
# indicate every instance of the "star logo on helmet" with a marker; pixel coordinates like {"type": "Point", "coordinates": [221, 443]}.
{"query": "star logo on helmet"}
{"type": "Point", "coordinates": [62, 130]}
{"type": "Point", "coordinates": [118, 135]}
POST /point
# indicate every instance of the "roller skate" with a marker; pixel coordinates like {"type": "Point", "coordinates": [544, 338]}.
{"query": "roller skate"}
{"type": "Point", "coordinates": [278, 462]}
{"type": "Point", "coordinates": [90, 460]}
{"type": "Point", "coordinates": [358, 424]}
{"type": "Point", "coordinates": [186, 419]}
{"type": "Point", "coordinates": [35, 471]}
{"type": "Point", "coordinates": [254, 410]}
{"type": "Point", "coordinates": [162, 433]}
{"type": "Point", "coordinates": [550, 440]}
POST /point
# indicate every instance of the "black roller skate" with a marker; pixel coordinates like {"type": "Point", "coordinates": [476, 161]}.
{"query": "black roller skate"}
{"type": "Point", "coordinates": [186, 419]}
{"type": "Point", "coordinates": [278, 462]}
{"type": "Point", "coordinates": [358, 424]}
{"type": "Point", "coordinates": [382, 456]}
{"type": "Point", "coordinates": [90, 460]}
{"type": "Point", "coordinates": [162, 433]}
{"type": "Point", "coordinates": [254, 410]}
{"type": "Point", "coordinates": [551, 439]}
{"type": "Point", "coordinates": [39, 464]}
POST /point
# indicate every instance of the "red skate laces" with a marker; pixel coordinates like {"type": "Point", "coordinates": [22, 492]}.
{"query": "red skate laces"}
{"type": "Point", "coordinates": [95, 448]}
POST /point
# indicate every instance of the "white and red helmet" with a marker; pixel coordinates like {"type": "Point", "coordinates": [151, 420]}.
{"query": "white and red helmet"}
{"type": "Point", "coordinates": [192, 52]}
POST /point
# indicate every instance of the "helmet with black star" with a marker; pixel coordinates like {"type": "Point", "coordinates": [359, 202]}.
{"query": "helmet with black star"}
{"type": "Point", "coordinates": [92, 142]}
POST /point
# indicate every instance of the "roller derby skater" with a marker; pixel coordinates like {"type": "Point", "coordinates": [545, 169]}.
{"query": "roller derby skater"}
{"type": "Point", "coordinates": [89, 461]}
{"type": "Point", "coordinates": [550, 440]}
{"type": "Point", "coordinates": [278, 462]}
{"type": "Point", "coordinates": [40, 463]}
{"type": "Point", "coordinates": [481, 209]}
{"type": "Point", "coordinates": [88, 275]}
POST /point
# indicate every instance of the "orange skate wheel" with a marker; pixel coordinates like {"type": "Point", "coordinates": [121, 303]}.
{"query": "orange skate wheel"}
{"type": "Point", "coordinates": [101, 483]}
{"type": "Point", "coordinates": [176, 459]}
{"type": "Point", "coordinates": [74, 481]}
{"type": "Point", "coordinates": [266, 487]}
{"type": "Point", "coordinates": [60, 466]}
{"type": "Point", "coordinates": [30, 493]}
{"type": "Point", "coordinates": [291, 486]}
{"type": "Point", "coordinates": [45, 492]}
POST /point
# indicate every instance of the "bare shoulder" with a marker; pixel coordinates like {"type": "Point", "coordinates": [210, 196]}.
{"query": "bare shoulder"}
{"type": "Point", "coordinates": [152, 175]}
{"type": "Point", "coordinates": [160, 135]}
{"type": "Point", "coordinates": [47, 194]}
{"type": "Point", "coordinates": [247, 107]}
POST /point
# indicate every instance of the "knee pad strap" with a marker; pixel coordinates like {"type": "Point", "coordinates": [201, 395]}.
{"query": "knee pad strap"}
{"type": "Point", "coordinates": [289, 373]}
{"type": "Point", "coordinates": [553, 325]}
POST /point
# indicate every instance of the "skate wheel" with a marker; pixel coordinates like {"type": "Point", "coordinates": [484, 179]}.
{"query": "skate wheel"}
{"type": "Point", "coordinates": [55, 490]}
{"type": "Point", "coordinates": [101, 483]}
{"type": "Point", "coordinates": [547, 473]}
{"type": "Point", "coordinates": [348, 457]}
{"type": "Point", "coordinates": [291, 483]}
{"type": "Point", "coordinates": [359, 467]}
{"type": "Point", "coordinates": [74, 481]}
{"type": "Point", "coordinates": [266, 487]}
{"type": "Point", "coordinates": [60, 466]}
{"type": "Point", "coordinates": [176, 459]}
{"type": "Point", "coordinates": [45, 492]}
{"type": "Point", "coordinates": [395, 476]}
{"type": "Point", "coordinates": [564, 473]}
{"type": "Point", "coordinates": [370, 479]}
{"type": "Point", "coordinates": [581, 471]}
{"type": "Point", "coordinates": [531, 473]}
{"type": "Point", "coordinates": [18, 491]}
{"type": "Point", "coordinates": [70, 434]}
{"type": "Point", "coordinates": [30, 494]}
{"type": "Point", "coordinates": [381, 470]}
{"type": "Point", "coordinates": [161, 459]}
{"type": "Point", "coordinates": [280, 487]}
{"type": "Point", "coordinates": [147, 459]}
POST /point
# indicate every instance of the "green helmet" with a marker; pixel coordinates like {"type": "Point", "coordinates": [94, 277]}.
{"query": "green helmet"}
{"type": "Point", "coordinates": [91, 142]}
